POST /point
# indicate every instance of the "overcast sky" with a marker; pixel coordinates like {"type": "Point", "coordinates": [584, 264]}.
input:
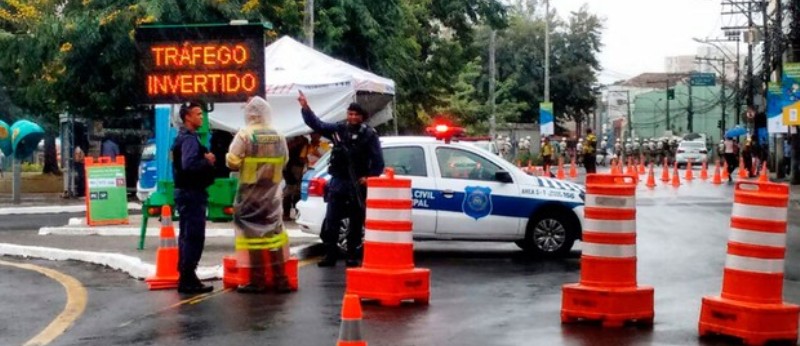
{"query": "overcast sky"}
{"type": "Point", "coordinates": [639, 34]}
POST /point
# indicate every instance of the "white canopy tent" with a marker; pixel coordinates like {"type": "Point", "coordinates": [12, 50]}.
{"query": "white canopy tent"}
{"type": "Point", "coordinates": [329, 84]}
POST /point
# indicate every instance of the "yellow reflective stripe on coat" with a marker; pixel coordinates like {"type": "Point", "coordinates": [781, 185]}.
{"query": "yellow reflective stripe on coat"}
{"type": "Point", "coordinates": [264, 243]}
{"type": "Point", "coordinates": [251, 165]}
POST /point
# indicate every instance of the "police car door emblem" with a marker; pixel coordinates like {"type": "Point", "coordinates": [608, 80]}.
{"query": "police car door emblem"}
{"type": "Point", "coordinates": [477, 202]}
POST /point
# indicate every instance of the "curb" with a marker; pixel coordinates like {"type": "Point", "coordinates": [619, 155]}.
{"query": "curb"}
{"type": "Point", "coordinates": [151, 231]}
{"type": "Point", "coordinates": [54, 209]}
{"type": "Point", "coordinates": [133, 266]}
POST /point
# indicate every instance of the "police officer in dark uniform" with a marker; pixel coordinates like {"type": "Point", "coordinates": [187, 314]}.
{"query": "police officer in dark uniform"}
{"type": "Point", "coordinates": [193, 169]}
{"type": "Point", "coordinates": [356, 155]}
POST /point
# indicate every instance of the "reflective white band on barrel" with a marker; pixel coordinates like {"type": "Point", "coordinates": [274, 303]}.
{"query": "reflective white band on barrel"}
{"type": "Point", "coordinates": [759, 212]}
{"type": "Point", "coordinates": [388, 193]}
{"type": "Point", "coordinates": [757, 238]}
{"type": "Point", "coordinates": [402, 237]}
{"type": "Point", "coordinates": [757, 265]}
{"type": "Point", "coordinates": [608, 201]}
{"type": "Point", "coordinates": [608, 250]}
{"type": "Point", "coordinates": [609, 226]}
{"type": "Point", "coordinates": [388, 214]}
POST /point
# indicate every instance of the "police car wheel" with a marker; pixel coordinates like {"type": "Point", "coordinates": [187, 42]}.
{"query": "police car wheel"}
{"type": "Point", "coordinates": [343, 237]}
{"type": "Point", "coordinates": [550, 233]}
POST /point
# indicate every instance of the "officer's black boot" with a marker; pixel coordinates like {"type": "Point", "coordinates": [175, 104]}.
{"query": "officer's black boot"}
{"type": "Point", "coordinates": [188, 283]}
{"type": "Point", "coordinates": [331, 255]}
{"type": "Point", "coordinates": [353, 258]}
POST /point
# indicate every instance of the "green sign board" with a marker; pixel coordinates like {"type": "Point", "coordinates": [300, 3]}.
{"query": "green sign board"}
{"type": "Point", "coordinates": [106, 198]}
{"type": "Point", "coordinates": [703, 79]}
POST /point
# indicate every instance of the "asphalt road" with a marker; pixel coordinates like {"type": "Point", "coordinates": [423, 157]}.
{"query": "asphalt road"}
{"type": "Point", "coordinates": [35, 221]}
{"type": "Point", "coordinates": [482, 293]}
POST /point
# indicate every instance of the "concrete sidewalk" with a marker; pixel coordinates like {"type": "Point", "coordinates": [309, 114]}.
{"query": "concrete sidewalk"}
{"type": "Point", "coordinates": [116, 246]}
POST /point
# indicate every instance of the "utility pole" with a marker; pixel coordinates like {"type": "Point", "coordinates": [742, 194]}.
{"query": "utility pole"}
{"type": "Point", "coordinates": [546, 50]}
{"type": "Point", "coordinates": [667, 99]}
{"type": "Point", "coordinates": [751, 32]}
{"type": "Point", "coordinates": [630, 122]}
{"type": "Point", "coordinates": [492, 72]}
{"type": "Point", "coordinates": [722, 97]}
{"type": "Point", "coordinates": [689, 111]}
{"type": "Point", "coordinates": [308, 23]}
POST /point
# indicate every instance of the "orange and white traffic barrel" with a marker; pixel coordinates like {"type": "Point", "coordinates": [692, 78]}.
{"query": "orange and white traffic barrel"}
{"type": "Point", "coordinates": [751, 304]}
{"type": "Point", "coordinates": [608, 290]}
{"type": "Point", "coordinates": [388, 273]}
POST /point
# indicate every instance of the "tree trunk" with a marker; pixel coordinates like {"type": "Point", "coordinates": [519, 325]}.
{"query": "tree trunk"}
{"type": "Point", "coordinates": [50, 155]}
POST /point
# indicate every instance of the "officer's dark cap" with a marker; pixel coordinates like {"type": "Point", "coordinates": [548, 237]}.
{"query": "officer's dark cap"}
{"type": "Point", "coordinates": [355, 107]}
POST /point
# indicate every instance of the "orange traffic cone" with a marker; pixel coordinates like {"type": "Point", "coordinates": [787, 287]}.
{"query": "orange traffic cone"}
{"type": "Point", "coordinates": [615, 167]}
{"type": "Point", "coordinates": [651, 178]}
{"type": "Point", "coordinates": [350, 329]}
{"type": "Point", "coordinates": [725, 175]}
{"type": "Point", "coordinates": [676, 180]}
{"type": "Point", "coordinates": [629, 170]}
{"type": "Point", "coordinates": [704, 171]}
{"type": "Point", "coordinates": [665, 171]}
{"type": "Point", "coordinates": [560, 173]}
{"type": "Point", "coordinates": [166, 276]}
{"type": "Point", "coordinates": [641, 165]}
{"type": "Point", "coordinates": [388, 273]}
{"type": "Point", "coordinates": [607, 290]}
{"type": "Point", "coordinates": [764, 177]}
{"type": "Point", "coordinates": [689, 173]}
{"type": "Point", "coordinates": [743, 173]}
{"type": "Point", "coordinates": [751, 305]}
{"type": "Point", "coordinates": [573, 169]}
{"type": "Point", "coordinates": [716, 180]}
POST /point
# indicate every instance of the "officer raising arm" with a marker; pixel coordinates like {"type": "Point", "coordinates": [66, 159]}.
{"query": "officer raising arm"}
{"type": "Point", "coordinates": [193, 169]}
{"type": "Point", "coordinates": [356, 155]}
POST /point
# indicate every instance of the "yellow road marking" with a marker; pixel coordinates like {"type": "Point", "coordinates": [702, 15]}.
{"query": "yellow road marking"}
{"type": "Point", "coordinates": [76, 303]}
{"type": "Point", "coordinates": [308, 261]}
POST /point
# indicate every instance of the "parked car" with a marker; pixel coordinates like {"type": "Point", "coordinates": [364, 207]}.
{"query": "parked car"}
{"type": "Point", "coordinates": [461, 192]}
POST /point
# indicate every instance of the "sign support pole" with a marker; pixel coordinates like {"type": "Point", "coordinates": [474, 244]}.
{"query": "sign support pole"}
{"type": "Point", "coordinates": [16, 188]}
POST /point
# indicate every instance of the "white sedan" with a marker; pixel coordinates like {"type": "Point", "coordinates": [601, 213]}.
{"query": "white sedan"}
{"type": "Point", "coordinates": [691, 150]}
{"type": "Point", "coordinates": [462, 192]}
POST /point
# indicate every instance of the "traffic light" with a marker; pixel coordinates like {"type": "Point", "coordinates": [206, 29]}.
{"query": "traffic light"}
{"type": "Point", "coordinates": [719, 124]}
{"type": "Point", "coordinates": [670, 94]}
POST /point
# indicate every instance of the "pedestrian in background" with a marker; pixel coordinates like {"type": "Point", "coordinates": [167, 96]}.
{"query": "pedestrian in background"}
{"type": "Point", "coordinates": [787, 156]}
{"type": "Point", "coordinates": [315, 149]}
{"type": "Point", "coordinates": [731, 152]}
{"type": "Point", "coordinates": [293, 174]}
{"type": "Point", "coordinates": [590, 152]}
{"type": "Point", "coordinates": [547, 153]}
{"type": "Point", "coordinates": [259, 153]}
{"type": "Point", "coordinates": [109, 148]}
{"type": "Point", "coordinates": [356, 155]}
{"type": "Point", "coordinates": [193, 170]}
{"type": "Point", "coordinates": [80, 176]}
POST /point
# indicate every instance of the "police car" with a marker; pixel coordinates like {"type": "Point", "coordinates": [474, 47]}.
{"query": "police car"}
{"type": "Point", "coordinates": [463, 192]}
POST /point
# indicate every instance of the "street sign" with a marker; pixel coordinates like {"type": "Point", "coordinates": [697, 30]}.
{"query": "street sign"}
{"type": "Point", "coordinates": [791, 114]}
{"type": "Point", "coordinates": [106, 195]}
{"type": "Point", "coordinates": [209, 63]}
{"type": "Point", "coordinates": [703, 79]}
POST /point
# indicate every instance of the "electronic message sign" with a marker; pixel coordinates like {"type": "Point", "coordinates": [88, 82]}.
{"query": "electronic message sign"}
{"type": "Point", "coordinates": [211, 63]}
